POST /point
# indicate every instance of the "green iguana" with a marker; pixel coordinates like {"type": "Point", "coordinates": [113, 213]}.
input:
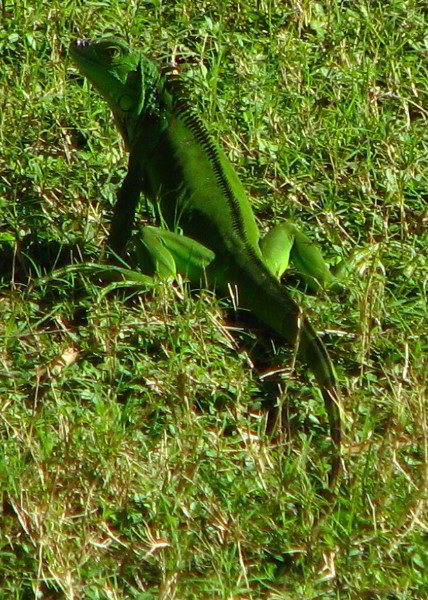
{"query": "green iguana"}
{"type": "Point", "coordinates": [185, 174]}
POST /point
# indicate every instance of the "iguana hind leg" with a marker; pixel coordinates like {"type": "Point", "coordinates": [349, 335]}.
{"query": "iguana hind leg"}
{"type": "Point", "coordinates": [285, 241]}
{"type": "Point", "coordinates": [166, 253]}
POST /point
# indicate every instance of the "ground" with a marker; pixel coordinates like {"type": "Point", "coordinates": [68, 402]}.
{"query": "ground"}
{"type": "Point", "coordinates": [154, 443]}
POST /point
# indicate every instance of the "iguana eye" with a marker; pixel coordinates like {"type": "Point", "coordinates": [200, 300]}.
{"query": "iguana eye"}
{"type": "Point", "coordinates": [112, 53]}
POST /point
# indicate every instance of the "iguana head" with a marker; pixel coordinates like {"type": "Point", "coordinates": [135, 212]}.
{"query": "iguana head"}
{"type": "Point", "coordinates": [126, 79]}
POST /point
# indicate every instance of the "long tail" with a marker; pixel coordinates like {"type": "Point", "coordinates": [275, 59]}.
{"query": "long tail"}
{"type": "Point", "coordinates": [270, 302]}
{"type": "Point", "coordinates": [318, 359]}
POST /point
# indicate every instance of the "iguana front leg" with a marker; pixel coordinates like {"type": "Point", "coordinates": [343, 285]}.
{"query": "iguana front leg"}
{"type": "Point", "coordinates": [124, 210]}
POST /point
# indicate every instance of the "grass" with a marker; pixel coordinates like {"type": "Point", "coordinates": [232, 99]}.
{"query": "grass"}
{"type": "Point", "coordinates": [138, 459]}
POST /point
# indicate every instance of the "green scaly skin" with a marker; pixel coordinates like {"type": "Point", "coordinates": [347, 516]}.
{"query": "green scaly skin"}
{"type": "Point", "coordinates": [185, 174]}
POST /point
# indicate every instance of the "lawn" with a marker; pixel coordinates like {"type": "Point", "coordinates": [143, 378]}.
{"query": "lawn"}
{"type": "Point", "coordinates": [155, 443]}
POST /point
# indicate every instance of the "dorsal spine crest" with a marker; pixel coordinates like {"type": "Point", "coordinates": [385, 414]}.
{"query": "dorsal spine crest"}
{"type": "Point", "coordinates": [182, 109]}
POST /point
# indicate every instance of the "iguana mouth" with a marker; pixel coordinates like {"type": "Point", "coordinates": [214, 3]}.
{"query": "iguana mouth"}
{"type": "Point", "coordinates": [76, 48]}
